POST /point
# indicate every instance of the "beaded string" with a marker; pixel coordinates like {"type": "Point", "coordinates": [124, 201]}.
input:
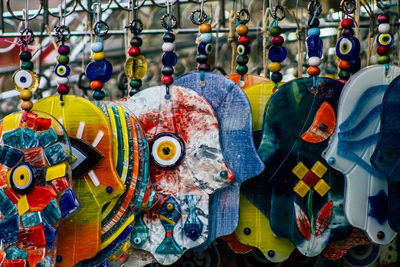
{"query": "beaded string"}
{"type": "Point", "coordinates": [100, 70]}
{"type": "Point", "coordinates": [276, 53]}
{"type": "Point", "coordinates": [348, 46]}
{"type": "Point", "coordinates": [314, 43]}
{"type": "Point", "coordinates": [62, 70]}
{"type": "Point", "coordinates": [384, 38]}
{"type": "Point", "coordinates": [243, 49]}
{"type": "Point", "coordinates": [136, 65]}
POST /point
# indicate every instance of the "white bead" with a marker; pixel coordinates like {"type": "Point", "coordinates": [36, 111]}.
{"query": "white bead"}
{"type": "Point", "coordinates": [384, 28]}
{"type": "Point", "coordinates": [314, 61]}
{"type": "Point", "coordinates": [62, 80]}
{"type": "Point", "coordinates": [168, 47]}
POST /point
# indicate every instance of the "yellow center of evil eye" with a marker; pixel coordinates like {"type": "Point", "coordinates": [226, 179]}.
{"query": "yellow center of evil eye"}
{"type": "Point", "coordinates": [166, 150]}
{"type": "Point", "coordinates": [61, 70]}
{"type": "Point", "coordinates": [345, 46]}
{"type": "Point", "coordinates": [22, 177]}
{"type": "Point", "coordinates": [385, 39]}
{"type": "Point", "coordinates": [170, 207]}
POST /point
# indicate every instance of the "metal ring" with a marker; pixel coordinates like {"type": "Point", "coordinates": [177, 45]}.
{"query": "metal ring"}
{"type": "Point", "coordinates": [275, 13]}
{"type": "Point", "coordinates": [197, 1]}
{"type": "Point", "coordinates": [81, 82]}
{"type": "Point", "coordinates": [129, 9]}
{"type": "Point", "coordinates": [313, 6]}
{"type": "Point", "coordinates": [27, 37]}
{"type": "Point", "coordinates": [172, 20]}
{"type": "Point", "coordinates": [91, 9]}
{"type": "Point", "coordinates": [344, 5]}
{"type": "Point", "coordinates": [23, 19]}
{"type": "Point", "coordinates": [201, 18]}
{"type": "Point", "coordinates": [46, 8]}
{"type": "Point", "coordinates": [97, 25]}
{"type": "Point", "coordinates": [136, 26]}
{"type": "Point", "coordinates": [63, 32]}
{"type": "Point", "coordinates": [241, 13]}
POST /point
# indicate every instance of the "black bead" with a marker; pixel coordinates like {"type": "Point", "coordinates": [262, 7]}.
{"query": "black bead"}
{"type": "Point", "coordinates": [348, 32]}
{"type": "Point", "coordinates": [380, 235]}
{"type": "Point", "coordinates": [242, 59]}
{"type": "Point", "coordinates": [136, 41]}
{"type": "Point", "coordinates": [201, 58]}
{"type": "Point", "coordinates": [169, 37]}
{"type": "Point", "coordinates": [25, 56]}
{"type": "Point", "coordinates": [315, 23]}
{"type": "Point", "coordinates": [167, 70]}
{"type": "Point", "coordinates": [204, 67]}
{"type": "Point", "coordinates": [276, 77]}
{"type": "Point", "coordinates": [246, 231]}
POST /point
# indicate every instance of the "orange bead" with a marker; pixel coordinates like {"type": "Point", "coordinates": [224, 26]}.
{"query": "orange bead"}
{"type": "Point", "coordinates": [205, 28]}
{"type": "Point", "coordinates": [313, 71]}
{"type": "Point", "coordinates": [344, 65]}
{"type": "Point", "coordinates": [242, 30]}
{"type": "Point", "coordinates": [26, 105]}
{"type": "Point", "coordinates": [96, 85]}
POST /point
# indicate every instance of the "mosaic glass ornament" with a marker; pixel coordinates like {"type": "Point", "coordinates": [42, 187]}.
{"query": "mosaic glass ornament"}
{"type": "Point", "coordinates": [287, 188]}
{"type": "Point", "coordinates": [234, 118]}
{"type": "Point", "coordinates": [247, 80]}
{"type": "Point", "coordinates": [174, 127]}
{"type": "Point", "coordinates": [354, 142]}
{"type": "Point", "coordinates": [36, 187]}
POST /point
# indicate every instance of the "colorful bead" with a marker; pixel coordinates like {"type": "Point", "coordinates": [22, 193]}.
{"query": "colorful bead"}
{"type": "Point", "coordinates": [313, 71]}
{"type": "Point", "coordinates": [241, 69]}
{"type": "Point", "coordinates": [63, 59]}
{"type": "Point", "coordinates": [277, 40]}
{"type": "Point", "coordinates": [205, 28]}
{"type": "Point", "coordinates": [314, 31]}
{"type": "Point", "coordinates": [384, 28]}
{"type": "Point", "coordinates": [204, 67]}
{"type": "Point", "coordinates": [348, 48]}
{"type": "Point", "coordinates": [314, 46]}
{"type": "Point", "coordinates": [169, 59]}
{"type": "Point", "coordinates": [62, 80]}
{"type": "Point", "coordinates": [63, 50]}
{"type": "Point", "coordinates": [276, 77]}
{"type": "Point", "coordinates": [25, 55]}
{"type": "Point", "coordinates": [314, 61]}
{"type": "Point", "coordinates": [277, 53]}
{"type": "Point", "coordinates": [383, 59]}
{"type": "Point", "coordinates": [274, 67]}
{"type": "Point", "coordinates": [96, 85]}
{"type": "Point", "coordinates": [201, 58]}
{"type": "Point", "coordinates": [136, 83]}
{"type": "Point", "coordinates": [136, 41]}
{"type": "Point", "coordinates": [242, 30]}
{"type": "Point", "coordinates": [243, 49]}
{"type": "Point", "coordinates": [99, 95]}
{"type": "Point", "coordinates": [244, 40]}
{"type": "Point", "coordinates": [99, 56]}
{"type": "Point", "coordinates": [99, 70]}
{"type": "Point", "coordinates": [26, 105]}
{"type": "Point", "coordinates": [167, 80]}
{"type": "Point", "coordinates": [382, 50]}
{"type": "Point", "coordinates": [347, 23]}
{"type": "Point", "coordinates": [134, 51]}
{"type": "Point", "coordinates": [62, 70]}
{"type": "Point", "coordinates": [63, 89]}
{"type": "Point", "coordinates": [205, 48]}
{"type": "Point", "coordinates": [344, 65]}
{"type": "Point", "coordinates": [168, 47]}
{"type": "Point", "coordinates": [27, 65]}
{"type": "Point", "coordinates": [25, 94]}
{"type": "Point", "coordinates": [275, 31]}
{"type": "Point", "coordinates": [344, 74]}
{"type": "Point", "coordinates": [167, 70]}
{"type": "Point", "coordinates": [242, 59]}
{"type": "Point", "coordinates": [383, 18]}
{"type": "Point", "coordinates": [385, 39]}
{"type": "Point", "coordinates": [313, 23]}
{"type": "Point", "coordinates": [97, 47]}
{"type": "Point", "coordinates": [348, 32]}
{"type": "Point", "coordinates": [168, 37]}
{"type": "Point", "coordinates": [206, 37]}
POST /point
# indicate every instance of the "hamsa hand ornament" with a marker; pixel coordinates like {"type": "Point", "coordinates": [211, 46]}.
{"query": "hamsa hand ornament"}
{"type": "Point", "coordinates": [186, 166]}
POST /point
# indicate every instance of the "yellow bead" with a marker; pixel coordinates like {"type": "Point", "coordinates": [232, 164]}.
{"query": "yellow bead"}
{"type": "Point", "coordinates": [301, 188]}
{"type": "Point", "coordinates": [25, 94]}
{"type": "Point", "coordinates": [300, 170]}
{"type": "Point", "coordinates": [205, 28]}
{"type": "Point", "coordinates": [136, 67]}
{"type": "Point", "coordinates": [242, 30]}
{"type": "Point", "coordinates": [322, 188]}
{"type": "Point", "coordinates": [99, 56]}
{"type": "Point", "coordinates": [274, 67]}
{"type": "Point", "coordinates": [319, 169]}
{"type": "Point", "coordinates": [26, 105]}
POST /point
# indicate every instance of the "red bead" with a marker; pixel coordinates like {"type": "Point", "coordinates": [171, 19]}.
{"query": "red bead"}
{"type": "Point", "coordinates": [244, 40]}
{"type": "Point", "coordinates": [63, 89]}
{"type": "Point", "coordinates": [277, 40]}
{"type": "Point", "coordinates": [344, 65]}
{"type": "Point", "coordinates": [382, 50]}
{"type": "Point", "coordinates": [347, 23]}
{"type": "Point", "coordinates": [134, 51]}
{"type": "Point", "coordinates": [96, 85]}
{"type": "Point", "coordinates": [167, 80]}
{"type": "Point", "coordinates": [384, 18]}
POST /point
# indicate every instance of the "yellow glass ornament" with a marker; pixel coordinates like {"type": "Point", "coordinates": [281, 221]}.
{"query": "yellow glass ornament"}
{"type": "Point", "coordinates": [136, 67]}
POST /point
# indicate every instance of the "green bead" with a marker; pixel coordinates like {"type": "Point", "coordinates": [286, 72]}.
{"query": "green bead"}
{"type": "Point", "coordinates": [27, 65]}
{"type": "Point", "coordinates": [63, 59]}
{"type": "Point", "coordinates": [276, 77]}
{"type": "Point", "coordinates": [241, 69]}
{"type": "Point", "coordinates": [135, 83]}
{"type": "Point", "coordinates": [242, 59]}
{"type": "Point", "coordinates": [275, 31]}
{"type": "Point", "coordinates": [383, 59]}
{"type": "Point", "coordinates": [344, 74]}
{"type": "Point", "coordinates": [223, 174]}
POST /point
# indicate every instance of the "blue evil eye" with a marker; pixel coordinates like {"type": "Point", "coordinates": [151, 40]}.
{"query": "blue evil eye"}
{"type": "Point", "coordinates": [348, 48]}
{"type": "Point", "coordinates": [62, 70]}
{"type": "Point", "coordinates": [385, 39]}
{"type": "Point", "coordinates": [99, 71]}
{"type": "Point", "coordinates": [205, 48]}
{"type": "Point", "coordinates": [314, 46]}
{"type": "Point", "coordinates": [277, 53]}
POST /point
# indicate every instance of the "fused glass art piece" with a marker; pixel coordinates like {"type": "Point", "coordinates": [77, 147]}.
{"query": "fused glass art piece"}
{"type": "Point", "coordinates": [235, 125]}
{"type": "Point", "coordinates": [354, 142]}
{"type": "Point", "coordinates": [247, 80]}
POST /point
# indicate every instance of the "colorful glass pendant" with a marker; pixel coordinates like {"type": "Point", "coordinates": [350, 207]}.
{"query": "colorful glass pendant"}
{"type": "Point", "coordinates": [62, 69]}
{"type": "Point", "coordinates": [205, 46]}
{"type": "Point", "coordinates": [384, 38]}
{"type": "Point", "coordinates": [243, 48]}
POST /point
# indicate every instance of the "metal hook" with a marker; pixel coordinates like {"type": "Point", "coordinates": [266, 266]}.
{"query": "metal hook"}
{"type": "Point", "coordinates": [23, 18]}
{"type": "Point", "coordinates": [97, 28]}
{"type": "Point", "coordinates": [63, 33]}
{"type": "Point", "coordinates": [275, 14]}
{"type": "Point", "coordinates": [243, 12]}
{"type": "Point", "coordinates": [348, 6]}
{"type": "Point", "coordinates": [200, 19]}
{"type": "Point", "coordinates": [314, 8]}
{"type": "Point", "coordinates": [172, 20]}
{"type": "Point", "coordinates": [27, 37]}
{"type": "Point", "coordinates": [136, 26]}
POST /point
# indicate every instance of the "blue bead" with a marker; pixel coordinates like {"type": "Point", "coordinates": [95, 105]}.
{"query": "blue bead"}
{"type": "Point", "coordinates": [271, 253]}
{"type": "Point", "coordinates": [277, 53]}
{"type": "Point", "coordinates": [348, 48]}
{"type": "Point", "coordinates": [314, 46]}
{"type": "Point", "coordinates": [109, 189]}
{"type": "Point", "coordinates": [385, 39]}
{"type": "Point", "coordinates": [59, 258]}
{"type": "Point", "coordinates": [62, 70]}
{"type": "Point", "coordinates": [205, 48]}
{"type": "Point", "coordinates": [169, 59]}
{"type": "Point", "coordinates": [99, 94]}
{"type": "Point", "coordinates": [99, 71]}
{"type": "Point", "coordinates": [97, 47]}
{"type": "Point", "coordinates": [314, 31]}
{"type": "Point", "coordinates": [206, 37]}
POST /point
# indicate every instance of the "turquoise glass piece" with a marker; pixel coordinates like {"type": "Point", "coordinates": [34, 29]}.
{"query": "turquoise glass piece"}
{"type": "Point", "coordinates": [277, 53]}
{"type": "Point", "coordinates": [47, 138]}
{"type": "Point", "coordinates": [99, 71]}
{"type": "Point", "coordinates": [51, 213]}
{"type": "Point", "coordinates": [29, 219]}
{"type": "Point", "coordinates": [14, 138]}
{"type": "Point", "coordinates": [140, 233]}
{"type": "Point", "coordinates": [30, 138]}
{"type": "Point", "coordinates": [14, 253]}
{"type": "Point", "coordinates": [10, 156]}
{"type": "Point", "coordinates": [50, 233]}
{"type": "Point", "coordinates": [7, 207]}
{"type": "Point", "coordinates": [55, 154]}
{"type": "Point", "coordinates": [314, 46]}
{"type": "Point", "coordinates": [193, 226]}
{"type": "Point", "coordinates": [169, 59]}
{"type": "Point", "coordinates": [313, 31]}
{"type": "Point", "coordinates": [9, 230]}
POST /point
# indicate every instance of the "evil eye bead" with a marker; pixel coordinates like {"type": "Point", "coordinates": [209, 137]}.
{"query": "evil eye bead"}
{"type": "Point", "coordinates": [205, 48]}
{"type": "Point", "coordinates": [22, 179]}
{"type": "Point", "coordinates": [170, 207]}
{"type": "Point", "coordinates": [348, 48]}
{"type": "Point", "coordinates": [385, 39]}
{"type": "Point", "coordinates": [137, 241]}
{"type": "Point", "coordinates": [167, 150]}
{"type": "Point", "coordinates": [243, 50]}
{"type": "Point", "coordinates": [25, 79]}
{"type": "Point", "coordinates": [384, 28]}
{"type": "Point", "coordinates": [99, 70]}
{"type": "Point", "coordinates": [62, 70]}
